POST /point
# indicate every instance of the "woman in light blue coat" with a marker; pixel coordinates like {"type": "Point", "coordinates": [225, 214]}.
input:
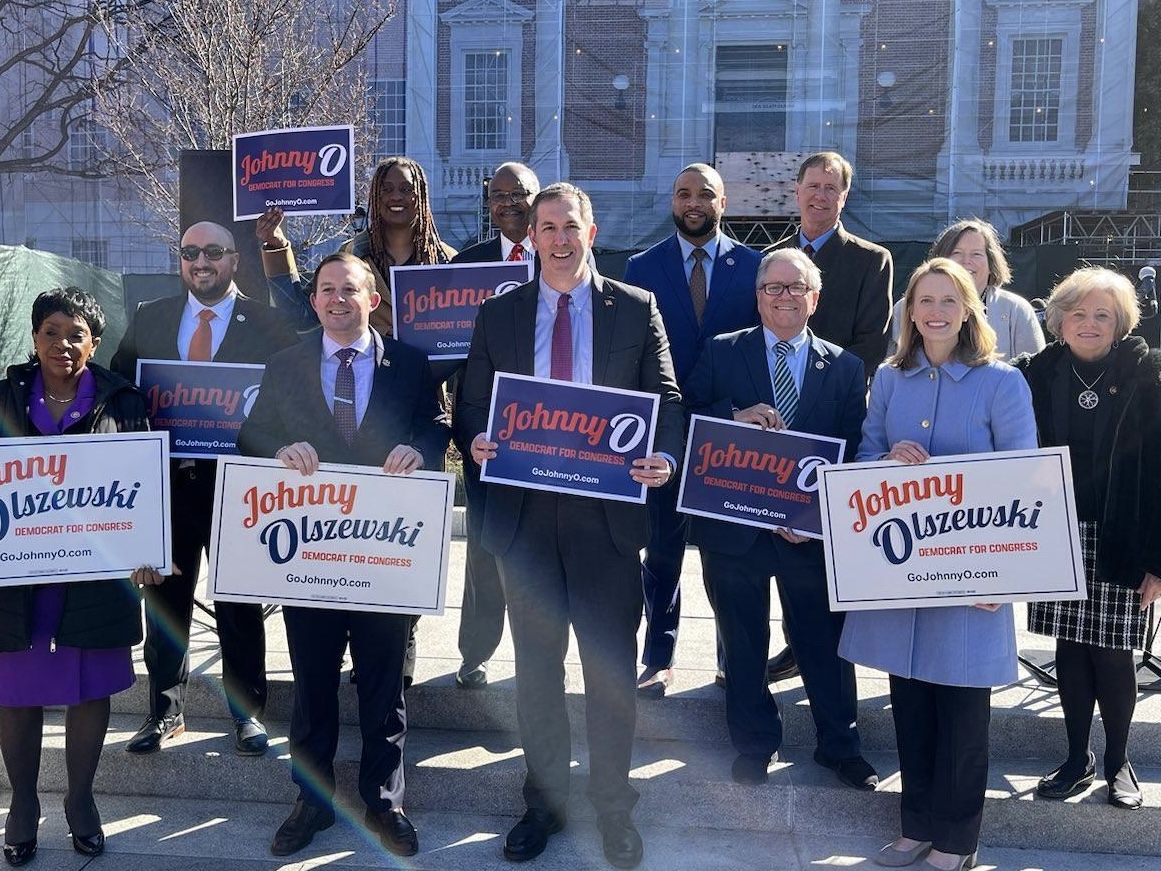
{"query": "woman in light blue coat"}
{"type": "Point", "coordinates": [942, 393]}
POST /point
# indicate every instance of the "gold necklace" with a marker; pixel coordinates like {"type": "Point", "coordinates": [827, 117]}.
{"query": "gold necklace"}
{"type": "Point", "coordinates": [57, 399]}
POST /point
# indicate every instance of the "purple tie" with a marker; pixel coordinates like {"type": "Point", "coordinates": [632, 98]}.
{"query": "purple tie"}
{"type": "Point", "coordinates": [345, 394]}
{"type": "Point", "coordinates": [562, 341]}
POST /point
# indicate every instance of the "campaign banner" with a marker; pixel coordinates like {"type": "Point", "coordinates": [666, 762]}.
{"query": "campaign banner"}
{"type": "Point", "coordinates": [84, 507]}
{"type": "Point", "coordinates": [742, 473]}
{"type": "Point", "coordinates": [303, 171]}
{"type": "Point", "coordinates": [346, 537]}
{"type": "Point", "coordinates": [201, 405]}
{"type": "Point", "coordinates": [435, 306]}
{"type": "Point", "coordinates": [568, 438]}
{"type": "Point", "coordinates": [956, 530]}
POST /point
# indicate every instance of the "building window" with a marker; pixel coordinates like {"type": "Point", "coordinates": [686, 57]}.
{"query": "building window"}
{"type": "Point", "coordinates": [95, 252]}
{"type": "Point", "coordinates": [1034, 107]}
{"type": "Point", "coordinates": [389, 116]}
{"type": "Point", "coordinates": [87, 145]}
{"type": "Point", "coordinates": [750, 98]}
{"type": "Point", "coordinates": [486, 101]}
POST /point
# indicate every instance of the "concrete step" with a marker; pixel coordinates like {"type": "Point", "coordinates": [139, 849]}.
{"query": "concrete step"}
{"type": "Point", "coordinates": [683, 785]}
{"type": "Point", "coordinates": [207, 835]}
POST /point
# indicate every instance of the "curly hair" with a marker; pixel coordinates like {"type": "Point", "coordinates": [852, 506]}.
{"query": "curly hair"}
{"type": "Point", "coordinates": [72, 302]}
{"type": "Point", "coordinates": [425, 238]}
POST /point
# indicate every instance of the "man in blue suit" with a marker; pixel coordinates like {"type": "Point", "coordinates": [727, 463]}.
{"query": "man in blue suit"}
{"type": "Point", "coordinates": [780, 375]}
{"type": "Point", "coordinates": [704, 284]}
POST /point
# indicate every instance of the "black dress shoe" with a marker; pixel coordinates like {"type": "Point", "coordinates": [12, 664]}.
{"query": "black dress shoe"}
{"type": "Point", "coordinates": [250, 738]}
{"type": "Point", "coordinates": [395, 831]}
{"type": "Point", "coordinates": [1064, 782]}
{"type": "Point", "coordinates": [749, 769]}
{"type": "Point", "coordinates": [153, 731]}
{"type": "Point", "coordinates": [1124, 790]}
{"type": "Point", "coordinates": [299, 829]}
{"type": "Point", "coordinates": [529, 837]}
{"type": "Point", "coordinates": [472, 678]}
{"type": "Point", "coordinates": [20, 854]}
{"type": "Point", "coordinates": [654, 682]}
{"type": "Point", "coordinates": [620, 840]}
{"type": "Point", "coordinates": [855, 772]}
{"type": "Point", "coordinates": [89, 845]}
{"type": "Point", "coordinates": [782, 666]}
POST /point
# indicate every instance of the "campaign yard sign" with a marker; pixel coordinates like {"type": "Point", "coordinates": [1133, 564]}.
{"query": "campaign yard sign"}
{"type": "Point", "coordinates": [302, 170]}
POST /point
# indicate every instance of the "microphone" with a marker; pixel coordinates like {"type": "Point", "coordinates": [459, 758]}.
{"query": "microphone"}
{"type": "Point", "coordinates": [1147, 292]}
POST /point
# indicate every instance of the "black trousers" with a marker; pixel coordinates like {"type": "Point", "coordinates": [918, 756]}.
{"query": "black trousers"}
{"type": "Point", "coordinates": [738, 586]}
{"type": "Point", "coordinates": [169, 611]}
{"type": "Point", "coordinates": [942, 736]}
{"type": "Point", "coordinates": [317, 638]}
{"type": "Point", "coordinates": [661, 576]}
{"type": "Point", "coordinates": [563, 568]}
{"type": "Point", "coordinates": [482, 611]}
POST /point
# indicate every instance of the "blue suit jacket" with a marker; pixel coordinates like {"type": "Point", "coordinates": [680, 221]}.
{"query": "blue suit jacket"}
{"type": "Point", "coordinates": [732, 372]}
{"type": "Point", "coordinates": [731, 303]}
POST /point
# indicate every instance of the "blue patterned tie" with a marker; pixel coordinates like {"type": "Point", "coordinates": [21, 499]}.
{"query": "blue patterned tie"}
{"type": "Point", "coordinates": [785, 393]}
{"type": "Point", "coordinates": [345, 394]}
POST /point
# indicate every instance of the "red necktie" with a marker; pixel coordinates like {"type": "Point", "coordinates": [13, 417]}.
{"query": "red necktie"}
{"type": "Point", "coordinates": [808, 250]}
{"type": "Point", "coordinates": [562, 341]}
{"type": "Point", "coordinates": [202, 342]}
{"type": "Point", "coordinates": [517, 254]}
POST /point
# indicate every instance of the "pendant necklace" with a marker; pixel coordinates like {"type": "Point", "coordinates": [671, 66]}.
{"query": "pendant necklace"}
{"type": "Point", "coordinates": [1088, 398]}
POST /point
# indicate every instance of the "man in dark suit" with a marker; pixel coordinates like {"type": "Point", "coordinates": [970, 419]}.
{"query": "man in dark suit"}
{"type": "Point", "coordinates": [211, 321]}
{"type": "Point", "coordinates": [347, 395]}
{"type": "Point", "coordinates": [855, 309]}
{"type": "Point", "coordinates": [780, 375]}
{"type": "Point", "coordinates": [510, 193]}
{"type": "Point", "coordinates": [704, 284]}
{"type": "Point", "coordinates": [572, 559]}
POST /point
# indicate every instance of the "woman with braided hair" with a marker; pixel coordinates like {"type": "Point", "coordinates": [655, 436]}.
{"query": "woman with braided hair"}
{"type": "Point", "coordinates": [400, 232]}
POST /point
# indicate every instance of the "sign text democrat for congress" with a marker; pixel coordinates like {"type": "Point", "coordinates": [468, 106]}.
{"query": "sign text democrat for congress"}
{"type": "Point", "coordinates": [745, 474]}
{"type": "Point", "coordinates": [202, 405]}
{"type": "Point", "coordinates": [83, 508]}
{"type": "Point", "coordinates": [435, 306]}
{"type": "Point", "coordinates": [569, 438]}
{"type": "Point", "coordinates": [303, 171]}
{"type": "Point", "coordinates": [348, 537]}
{"type": "Point", "coordinates": [956, 530]}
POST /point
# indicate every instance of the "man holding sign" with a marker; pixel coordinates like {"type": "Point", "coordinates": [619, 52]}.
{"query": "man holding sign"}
{"type": "Point", "coordinates": [780, 376]}
{"type": "Point", "coordinates": [572, 559]}
{"type": "Point", "coordinates": [347, 396]}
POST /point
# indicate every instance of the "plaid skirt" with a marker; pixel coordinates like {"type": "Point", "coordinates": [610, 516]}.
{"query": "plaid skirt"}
{"type": "Point", "coordinates": [1110, 617]}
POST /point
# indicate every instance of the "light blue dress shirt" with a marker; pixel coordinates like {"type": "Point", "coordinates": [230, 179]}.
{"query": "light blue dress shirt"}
{"type": "Point", "coordinates": [795, 357]}
{"type": "Point", "coordinates": [710, 248]}
{"type": "Point", "coordinates": [816, 243]}
{"type": "Point", "coordinates": [364, 368]}
{"type": "Point", "coordinates": [580, 312]}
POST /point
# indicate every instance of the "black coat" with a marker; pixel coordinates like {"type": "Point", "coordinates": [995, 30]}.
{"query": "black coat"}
{"type": "Point", "coordinates": [97, 614]}
{"type": "Point", "coordinates": [1129, 543]}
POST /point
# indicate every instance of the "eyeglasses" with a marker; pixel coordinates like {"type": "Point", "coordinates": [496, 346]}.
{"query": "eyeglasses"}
{"type": "Point", "coordinates": [516, 196]}
{"type": "Point", "coordinates": [212, 252]}
{"type": "Point", "coordinates": [776, 289]}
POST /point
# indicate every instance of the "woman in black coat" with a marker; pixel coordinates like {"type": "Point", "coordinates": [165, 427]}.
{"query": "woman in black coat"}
{"type": "Point", "coordinates": [64, 644]}
{"type": "Point", "coordinates": [1098, 391]}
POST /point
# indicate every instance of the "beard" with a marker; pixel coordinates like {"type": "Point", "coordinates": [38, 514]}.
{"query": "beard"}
{"type": "Point", "coordinates": [208, 294]}
{"type": "Point", "coordinates": [708, 226]}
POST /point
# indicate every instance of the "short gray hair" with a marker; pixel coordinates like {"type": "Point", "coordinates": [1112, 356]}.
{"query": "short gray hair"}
{"type": "Point", "coordinates": [811, 274]}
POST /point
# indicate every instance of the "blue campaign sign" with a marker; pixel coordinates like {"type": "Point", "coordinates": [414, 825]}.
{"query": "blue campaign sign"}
{"type": "Point", "coordinates": [569, 438]}
{"type": "Point", "coordinates": [744, 474]}
{"type": "Point", "coordinates": [435, 306]}
{"type": "Point", "coordinates": [304, 171]}
{"type": "Point", "coordinates": [201, 404]}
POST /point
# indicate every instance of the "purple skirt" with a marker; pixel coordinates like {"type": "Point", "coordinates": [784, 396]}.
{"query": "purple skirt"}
{"type": "Point", "coordinates": [65, 676]}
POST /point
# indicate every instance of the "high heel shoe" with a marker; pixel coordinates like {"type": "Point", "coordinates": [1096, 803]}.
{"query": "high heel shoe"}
{"type": "Point", "coordinates": [20, 854]}
{"type": "Point", "coordinates": [965, 862]}
{"type": "Point", "coordinates": [892, 857]}
{"type": "Point", "coordinates": [90, 845]}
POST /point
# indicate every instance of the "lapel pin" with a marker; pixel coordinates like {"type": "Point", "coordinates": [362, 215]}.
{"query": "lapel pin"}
{"type": "Point", "coordinates": [729, 261]}
{"type": "Point", "coordinates": [1113, 390]}
{"type": "Point", "coordinates": [608, 301]}
{"type": "Point", "coordinates": [240, 319]}
{"type": "Point", "coordinates": [818, 364]}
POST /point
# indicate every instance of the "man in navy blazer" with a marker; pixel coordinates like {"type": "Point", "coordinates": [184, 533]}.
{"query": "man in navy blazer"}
{"type": "Point", "coordinates": [568, 559]}
{"type": "Point", "coordinates": [395, 422]}
{"type": "Point", "coordinates": [241, 331]}
{"type": "Point", "coordinates": [735, 378]}
{"type": "Point", "coordinates": [724, 303]}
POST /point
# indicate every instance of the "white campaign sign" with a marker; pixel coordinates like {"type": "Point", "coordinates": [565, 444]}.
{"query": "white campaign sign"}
{"type": "Point", "coordinates": [997, 527]}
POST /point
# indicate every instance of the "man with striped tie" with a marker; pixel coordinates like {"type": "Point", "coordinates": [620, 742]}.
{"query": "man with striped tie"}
{"type": "Point", "coordinates": [780, 375]}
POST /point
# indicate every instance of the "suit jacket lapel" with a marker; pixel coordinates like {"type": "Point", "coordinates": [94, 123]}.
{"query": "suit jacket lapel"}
{"type": "Point", "coordinates": [167, 329]}
{"type": "Point", "coordinates": [754, 353]}
{"type": "Point", "coordinates": [524, 327]}
{"type": "Point", "coordinates": [818, 363]}
{"type": "Point", "coordinates": [723, 277]}
{"type": "Point", "coordinates": [673, 269]}
{"type": "Point", "coordinates": [381, 381]}
{"type": "Point", "coordinates": [235, 331]}
{"type": "Point", "coordinates": [604, 317]}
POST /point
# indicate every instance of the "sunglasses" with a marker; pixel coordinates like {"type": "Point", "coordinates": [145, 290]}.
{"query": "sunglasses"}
{"type": "Point", "coordinates": [212, 252]}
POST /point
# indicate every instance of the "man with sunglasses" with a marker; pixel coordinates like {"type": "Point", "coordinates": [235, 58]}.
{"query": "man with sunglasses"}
{"type": "Point", "coordinates": [211, 321]}
{"type": "Point", "coordinates": [780, 376]}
